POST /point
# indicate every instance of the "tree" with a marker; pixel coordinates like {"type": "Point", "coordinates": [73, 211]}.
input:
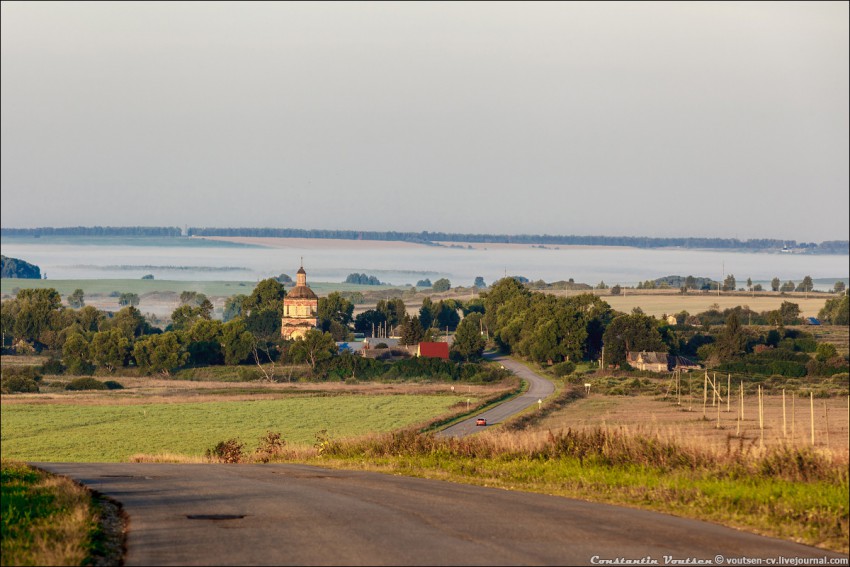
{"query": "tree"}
{"type": "Point", "coordinates": [787, 286]}
{"type": "Point", "coordinates": [204, 342]}
{"type": "Point", "coordinates": [128, 299]}
{"type": "Point", "coordinates": [130, 322]}
{"type": "Point", "coordinates": [368, 321]}
{"type": "Point", "coordinates": [426, 313]}
{"type": "Point", "coordinates": [690, 282]}
{"type": "Point", "coordinates": [392, 309]}
{"type": "Point", "coordinates": [441, 284]}
{"type": "Point", "coordinates": [314, 347]}
{"type": "Point", "coordinates": [749, 283]}
{"type": "Point", "coordinates": [236, 341]}
{"type": "Point", "coordinates": [836, 311]}
{"type": "Point", "coordinates": [160, 353]}
{"type": "Point", "coordinates": [110, 349]}
{"type": "Point", "coordinates": [411, 330]}
{"type": "Point", "coordinates": [468, 341]}
{"type": "Point", "coordinates": [334, 308]}
{"type": "Point", "coordinates": [838, 287]}
{"type": "Point", "coordinates": [806, 285]}
{"type": "Point", "coordinates": [76, 299]}
{"type": "Point", "coordinates": [233, 307]}
{"type": "Point", "coordinates": [185, 316]}
{"type": "Point", "coordinates": [445, 315]}
{"type": "Point", "coordinates": [479, 282]}
{"type": "Point", "coordinates": [268, 294]}
{"type": "Point", "coordinates": [616, 290]}
{"type": "Point", "coordinates": [631, 333]}
{"type": "Point", "coordinates": [35, 310]}
{"type": "Point", "coordinates": [729, 283]}
{"type": "Point", "coordinates": [76, 355]}
{"type": "Point", "coordinates": [424, 283]}
{"type": "Point", "coordinates": [790, 312]}
{"type": "Point", "coordinates": [774, 284]}
{"type": "Point", "coordinates": [732, 340]}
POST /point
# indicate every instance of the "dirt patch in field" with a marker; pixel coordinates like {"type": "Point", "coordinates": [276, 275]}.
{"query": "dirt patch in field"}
{"type": "Point", "coordinates": [690, 424]}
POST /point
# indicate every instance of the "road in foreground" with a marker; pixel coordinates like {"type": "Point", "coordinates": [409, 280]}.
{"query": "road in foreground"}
{"type": "Point", "coordinates": [538, 389]}
{"type": "Point", "coordinates": [302, 515]}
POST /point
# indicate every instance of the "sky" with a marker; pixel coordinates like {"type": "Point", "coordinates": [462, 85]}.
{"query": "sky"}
{"type": "Point", "coordinates": [716, 119]}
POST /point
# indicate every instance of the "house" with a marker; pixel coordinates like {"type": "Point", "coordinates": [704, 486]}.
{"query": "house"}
{"type": "Point", "coordinates": [652, 361]}
{"type": "Point", "coordinates": [812, 321]}
{"type": "Point", "coordinates": [433, 350]}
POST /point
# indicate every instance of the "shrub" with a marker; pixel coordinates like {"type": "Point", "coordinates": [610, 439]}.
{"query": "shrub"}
{"type": "Point", "coordinates": [113, 385]}
{"type": "Point", "coordinates": [85, 383]}
{"type": "Point", "coordinates": [246, 374]}
{"type": "Point", "coordinates": [52, 366]}
{"type": "Point", "coordinates": [271, 446]}
{"type": "Point", "coordinates": [229, 452]}
{"type": "Point", "coordinates": [11, 383]}
{"type": "Point", "coordinates": [563, 368]}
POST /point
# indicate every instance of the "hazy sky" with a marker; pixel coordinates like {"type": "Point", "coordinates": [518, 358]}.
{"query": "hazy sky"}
{"type": "Point", "coordinates": [718, 119]}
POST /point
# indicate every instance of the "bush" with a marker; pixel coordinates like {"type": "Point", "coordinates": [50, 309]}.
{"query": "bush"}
{"type": "Point", "coordinates": [564, 368]}
{"type": "Point", "coordinates": [113, 385]}
{"type": "Point", "coordinates": [85, 383]}
{"type": "Point", "coordinates": [12, 383]}
{"type": "Point", "coordinates": [52, 366]}
{"type": "Point", "coordinates": [246, 374]}
{"type": "Point", "coordinates": [271, 446]}
{"type": "Point", "coordinates": [229, 451]}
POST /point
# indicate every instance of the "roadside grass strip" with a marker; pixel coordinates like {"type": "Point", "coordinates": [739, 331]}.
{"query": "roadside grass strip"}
{"type": "Point", "coordinates": [46, 519]}
{"type": "Point", "coordinates": [793, 494]}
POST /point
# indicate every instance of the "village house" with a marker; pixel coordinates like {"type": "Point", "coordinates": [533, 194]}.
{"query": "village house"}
{"type": "Point", "coordinates": [651, 361]}
{"type": "Point", "coordinates": [660, 362]}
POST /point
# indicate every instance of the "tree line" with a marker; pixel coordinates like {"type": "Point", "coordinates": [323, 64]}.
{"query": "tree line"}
{"type": "Point", "coordinates": [427, 237]}
{"type": "Point", "coordinates": [539, 326]}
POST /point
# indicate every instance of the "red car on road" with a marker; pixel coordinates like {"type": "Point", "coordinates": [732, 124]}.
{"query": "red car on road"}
{"type": "Point", "coordinates": [480, 421]}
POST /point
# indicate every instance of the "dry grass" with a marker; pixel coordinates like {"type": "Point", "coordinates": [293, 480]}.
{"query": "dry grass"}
{"type": "Point", "coordinates": [660, 302]}
{"type": "Point", "coordinates": [688, 425]}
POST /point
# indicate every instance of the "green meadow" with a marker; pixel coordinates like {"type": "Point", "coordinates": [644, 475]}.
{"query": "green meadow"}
{"type": "Point", "coordinates": [112, 433]}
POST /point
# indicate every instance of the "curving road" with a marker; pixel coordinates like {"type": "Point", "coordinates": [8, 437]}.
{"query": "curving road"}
{"type": "Point", "coordinates": [538, 389]}
{"type": "Point", "coordinates": [303, 515]}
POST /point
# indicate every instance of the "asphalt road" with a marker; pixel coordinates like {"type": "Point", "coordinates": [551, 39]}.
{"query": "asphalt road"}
{"type": "Point", "coordinates": [301, 515]}
{"type": "Point", "coordinates": [538, 389]}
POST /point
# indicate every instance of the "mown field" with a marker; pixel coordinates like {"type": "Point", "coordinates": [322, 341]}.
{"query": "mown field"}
{"type": "Point", "coordinates": [89, 431]}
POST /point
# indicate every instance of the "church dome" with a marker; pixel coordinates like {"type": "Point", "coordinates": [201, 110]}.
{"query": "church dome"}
{"type": "Point", "coordinates": [300, 292]}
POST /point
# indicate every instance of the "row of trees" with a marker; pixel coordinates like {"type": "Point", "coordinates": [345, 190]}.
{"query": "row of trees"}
{"type": "Point", "coordinates": [833, 247]}
{"type": "Point", "coordinates": [545, 328]}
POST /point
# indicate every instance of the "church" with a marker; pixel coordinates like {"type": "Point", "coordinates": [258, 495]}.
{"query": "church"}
{"type": "Point", "coordinates": [300, 309]}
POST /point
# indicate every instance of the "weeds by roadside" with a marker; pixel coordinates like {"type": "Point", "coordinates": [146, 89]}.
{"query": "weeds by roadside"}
{"type": "Point", "coordinates": [50, 520]}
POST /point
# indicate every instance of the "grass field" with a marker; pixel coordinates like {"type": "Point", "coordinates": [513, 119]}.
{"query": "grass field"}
{"type": "Point", "coordinates": [87, 432]}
